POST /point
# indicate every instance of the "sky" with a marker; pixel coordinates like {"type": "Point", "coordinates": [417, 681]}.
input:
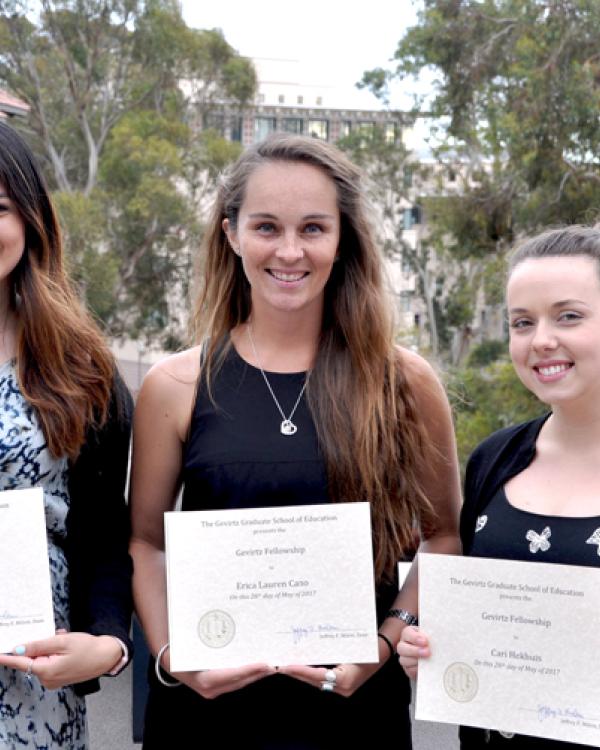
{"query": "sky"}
{"type": "Point", "coordinates": [334, 42]}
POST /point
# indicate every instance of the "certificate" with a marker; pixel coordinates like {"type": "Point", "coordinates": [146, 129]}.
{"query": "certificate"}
{"type": "Point", "coordinates": [26, 612]}
{"type": "Point", "coordinates": [514, 646]}
{"type": "Point", "coordinates": [286, 585]}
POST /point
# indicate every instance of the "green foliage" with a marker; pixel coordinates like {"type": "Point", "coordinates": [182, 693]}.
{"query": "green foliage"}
{"type": "Point", "coordinates": [520, 86]}
{"type": "Point", "coordinates": [213, 153]}
{"type": "Point", "coordinates": [516, 105]}
{"type": "Point", "coordinates": [487, 352]}
{"type": "Point", "coordinates": [94, 268]}
{"type": "Point", "coordinates": [112, 125]}
{"type": "Point", "coordinates": [485, 399]}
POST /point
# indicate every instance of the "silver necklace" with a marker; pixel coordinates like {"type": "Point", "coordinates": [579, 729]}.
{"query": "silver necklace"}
{"type": "Point", "coordinates": [287, 427]}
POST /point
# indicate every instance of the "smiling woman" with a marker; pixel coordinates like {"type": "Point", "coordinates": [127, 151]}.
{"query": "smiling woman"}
{"type": "Point", "coordinates": [64, 427]}
{"type": "Point", "coordinates": [555, 336]}
{"type": "Point", "coordinates": [532, 491]}
{"type": "Point", "coordinates": [296, 396]}
{"type": "Point", "coordinates": [12, 243]}
{"type": "Point", "coordinates": [287, 235]}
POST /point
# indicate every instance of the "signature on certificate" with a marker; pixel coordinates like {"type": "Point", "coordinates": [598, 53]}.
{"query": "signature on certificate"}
{"type": "Point", "coordinates": [21, 619]}
{"type": "Point", "coordinates": [300, 632]}
{"type": "Point", "coordinates": [550, 712]}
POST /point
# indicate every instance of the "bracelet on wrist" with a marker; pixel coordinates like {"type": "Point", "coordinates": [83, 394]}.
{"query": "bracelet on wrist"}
{"type": "Point", "coordinates": [404, 615]}
{"type": "Point", "coordinates": [123, 659]}
{"type": "Point", "coordinates": [387, 642]}
{"type": "Point", "coordinates": [158, 669]}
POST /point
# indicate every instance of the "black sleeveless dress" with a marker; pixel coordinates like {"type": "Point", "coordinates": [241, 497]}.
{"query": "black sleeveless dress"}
{"type": "Point", "coordinates": [236, 457]}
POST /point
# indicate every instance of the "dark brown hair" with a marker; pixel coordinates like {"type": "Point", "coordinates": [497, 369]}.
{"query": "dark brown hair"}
{"type": "Point", "coordinates": [564, 241]}
{"type": "Point", "coordinates": [368, 426]}
{"type": "Point", "coordinates": [65, 369]}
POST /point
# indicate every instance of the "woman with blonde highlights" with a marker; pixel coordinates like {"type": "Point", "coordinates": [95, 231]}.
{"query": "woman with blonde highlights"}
{"type": "Point", "coordinates": [297, 395]}
{"type": "Point", "coordinates": [65, 428]}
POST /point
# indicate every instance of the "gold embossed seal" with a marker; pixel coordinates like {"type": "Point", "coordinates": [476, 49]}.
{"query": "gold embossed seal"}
{"type": "Point", "coordinates": [460, 682]}
{"type": "Point", "coordinates": [216, 628]}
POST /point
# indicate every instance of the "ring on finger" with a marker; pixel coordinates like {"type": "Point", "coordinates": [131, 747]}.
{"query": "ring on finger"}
{"type": "Point", "coordinates": [29, 671]}
{"type": "Point", "coordinates": [328, 687]}
{"type": "Point", "coordinates": [331, 676]}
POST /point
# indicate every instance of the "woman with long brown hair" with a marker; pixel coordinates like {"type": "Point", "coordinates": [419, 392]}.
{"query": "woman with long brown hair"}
{"type": "Point", "coordinates": [297, 395]}
{"type": "Point", "coordinates": [64, 426]}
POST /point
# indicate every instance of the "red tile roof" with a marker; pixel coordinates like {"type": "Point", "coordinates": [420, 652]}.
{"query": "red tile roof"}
{"type": "Point", "coordinates": [10, 105]}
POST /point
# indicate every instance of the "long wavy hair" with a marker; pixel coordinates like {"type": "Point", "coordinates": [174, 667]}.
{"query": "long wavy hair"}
{"type": "Point", "coordinates": [369, 429]}
{"type": "Point", "coordinates": [65, 369]}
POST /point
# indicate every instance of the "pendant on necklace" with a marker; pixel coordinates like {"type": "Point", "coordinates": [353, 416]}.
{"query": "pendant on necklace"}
{"type": "Point", "coordinates": [288, 427]}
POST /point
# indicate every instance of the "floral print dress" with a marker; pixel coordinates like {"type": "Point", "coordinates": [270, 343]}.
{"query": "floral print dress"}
{"type": "Point", "coordinates": [30, 715]}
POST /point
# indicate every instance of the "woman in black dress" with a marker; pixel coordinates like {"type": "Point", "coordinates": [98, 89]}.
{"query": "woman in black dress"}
{"type": "Point", "coordinates": [298, 395]}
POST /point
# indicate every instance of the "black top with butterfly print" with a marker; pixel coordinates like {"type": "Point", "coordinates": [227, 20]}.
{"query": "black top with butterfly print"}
{"type": "Point", "coordinates": [491, 527]}
{"type": "Point", "coordinates": [506, 532]}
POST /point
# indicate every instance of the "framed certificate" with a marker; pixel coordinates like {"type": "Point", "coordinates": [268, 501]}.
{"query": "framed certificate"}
{"type": "Point", "coordinates": [286, 585]}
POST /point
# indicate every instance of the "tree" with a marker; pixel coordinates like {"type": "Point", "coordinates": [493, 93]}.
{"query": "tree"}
{"type": "Point", "coordinates": [116, 89]}
{"type": "Point", "coordinates": [516, 105]}
{"type": "Point", "coordinates": [391, 172]}
{"type": "Point", "coordinates": [486, 399]}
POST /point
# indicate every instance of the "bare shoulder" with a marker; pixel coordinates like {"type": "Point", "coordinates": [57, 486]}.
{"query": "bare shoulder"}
{"type": "Point", "coordinates": [424, 383]}
{"type": "Point", "coordinates": [169, 387]}
{"type": "Point", "coordinates": [176, 372]}
{"type": "Point", "coordinates": [430, 397]}
{"type": "Point", "coordinates": [418, 371]}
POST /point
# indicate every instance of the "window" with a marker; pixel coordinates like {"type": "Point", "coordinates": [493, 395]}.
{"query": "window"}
{"type": "Point", "coordinates": [366, 129]}
{"type": "Point", "coordinates": [407, 177]}
{"type": "Point", "coordinates": [300, 100]}
{"type": "Point", "coordinates": [236, 129]}
{"type": "Point", "coordinates": [411, 216]}
{"type": "Point", "coordinates": [281, 99]}
{"type": "Point", "coordinates": [345, 128]}
{"type": "Point", "coordinates": [390, 132]}
{"type": "Point", "coordinates": [319, 129]}
{"type": "Point", "coordinates": [319, 101]}
{"type": "Point", "coordinates": [292, 125]}
{"type": "Point", "coordinates": [262, 127]}
{"type": "Point", "coordinates": [405, 302]}
{"type": "Point", "coordinates": [215, 121]}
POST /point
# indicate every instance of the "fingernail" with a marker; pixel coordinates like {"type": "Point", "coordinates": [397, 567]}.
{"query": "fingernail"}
{"type": "Point", "coordinates": [19, 650]}
{"type": "Point", "coordinates": [423, 652]}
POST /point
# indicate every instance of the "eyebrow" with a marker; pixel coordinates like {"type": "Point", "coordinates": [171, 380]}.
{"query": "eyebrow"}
{"type": "Point", "coordinates": [560, 303]}
{"type": "Point", "coordinates": [261, 215]}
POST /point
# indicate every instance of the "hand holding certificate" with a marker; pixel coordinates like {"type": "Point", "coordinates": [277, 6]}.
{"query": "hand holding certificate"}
{"type": "Point", "coordinates": [26, 612]}
{"type": "Point", "coordinates": [500, 656]}
{"type": "Point", "coordinates": [288, 585]}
